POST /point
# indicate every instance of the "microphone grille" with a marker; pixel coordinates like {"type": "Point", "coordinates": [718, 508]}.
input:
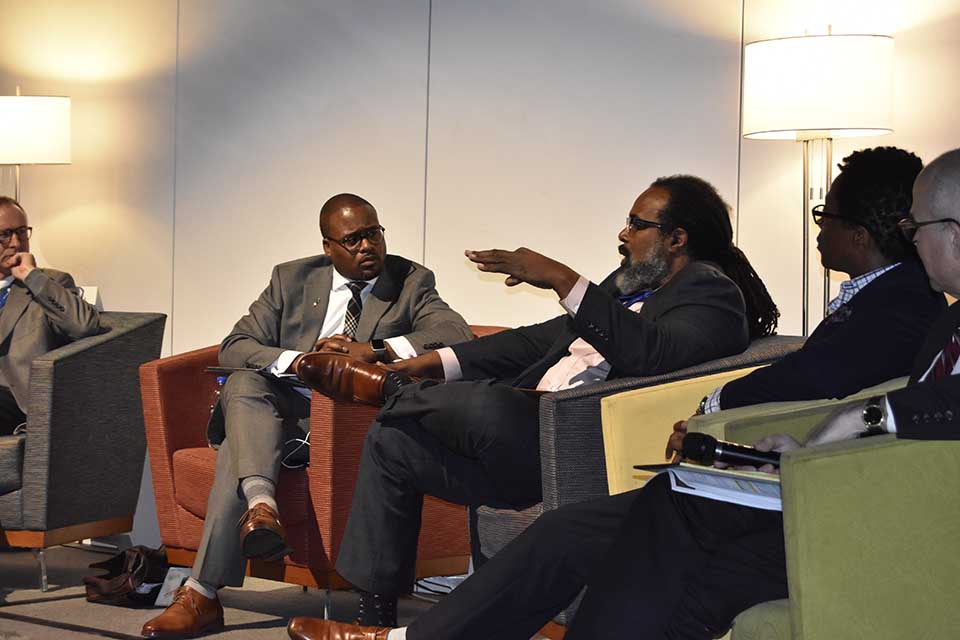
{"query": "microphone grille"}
{"type": "Point", "coordinates": [700, 447]}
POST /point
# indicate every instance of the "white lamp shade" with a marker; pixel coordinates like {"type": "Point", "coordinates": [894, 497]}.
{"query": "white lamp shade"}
{"type": "Point", "coordinates": [818, 87]}
{"type": "Point", "coordinates": [34, 130]}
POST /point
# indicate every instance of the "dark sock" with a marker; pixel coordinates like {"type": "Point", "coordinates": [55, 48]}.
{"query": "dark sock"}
{"type": "Point", "coordinates": [394, 382]}
{"type": "Point", "coordinates": [377, 610]}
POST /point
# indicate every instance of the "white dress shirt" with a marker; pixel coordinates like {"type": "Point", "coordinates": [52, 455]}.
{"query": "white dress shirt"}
{"type": "Point", "coordinates": [582, 365]}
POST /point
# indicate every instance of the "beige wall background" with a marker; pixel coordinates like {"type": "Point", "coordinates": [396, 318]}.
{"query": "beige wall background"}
{"type": "Point", "coordinates": [207, 133]}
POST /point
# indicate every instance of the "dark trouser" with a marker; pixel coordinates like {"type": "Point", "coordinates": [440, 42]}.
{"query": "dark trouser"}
{"type": "Point", "coordinates": [260, 416]}
{"type": "Point", "coordinates": [657, 564]}
{"type": "Point", "coordinates": [470, 443]}
{"type": "Point", "coordinates": [10, 414]}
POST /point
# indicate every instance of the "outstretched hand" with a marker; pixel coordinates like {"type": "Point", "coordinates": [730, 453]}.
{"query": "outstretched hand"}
{"type": "Point", "coordinates": [525, 265]}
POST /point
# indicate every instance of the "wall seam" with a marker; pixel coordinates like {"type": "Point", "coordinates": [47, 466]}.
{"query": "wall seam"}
{"type": "Point", "coordinates": [426, 133]}
{"type": "Point", "coordinates": [736, 231]}
{"type": "Point", "coordinates": [173, 246]}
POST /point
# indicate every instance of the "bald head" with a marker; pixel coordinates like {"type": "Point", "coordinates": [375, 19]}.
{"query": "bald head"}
{"type": "Point", "coordinates": [342, 202]}
{"type": "Point", "coordinates": [936, 209]}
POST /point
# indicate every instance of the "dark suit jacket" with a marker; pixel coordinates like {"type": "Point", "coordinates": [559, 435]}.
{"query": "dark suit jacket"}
{"type": "Point", "coordinates": [289, 315]}
{"type": "Point", "coordinates": [930, 410]}
{"type": "Point", "coordinates": [697, 316]}
{"type": "Point", "coordinates": [42, 313]}
{"type": "Point", "coordinates": [873, 338]}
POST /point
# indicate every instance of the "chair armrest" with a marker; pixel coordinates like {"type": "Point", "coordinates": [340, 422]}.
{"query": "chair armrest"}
{"type": "Point", "coordinates": [572, 453]}
{"type": "Point", "coordinates": [176, 394]}
{"type": "Point", "coordinates": [337, 433]}
{"type": "Point", "coordinates": [873, 538]}
{"type": "Point", "coordinates": [84, 451]}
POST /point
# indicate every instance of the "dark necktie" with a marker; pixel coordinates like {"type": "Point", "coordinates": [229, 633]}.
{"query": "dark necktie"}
{"type": "Point", "coordinates": [3, 296]}
{"type": "Point", "coordinates": [947, 360]}
{"type": "Point", "coordinates": [630, 299]}
{"type": "Point", "coordinates": [354, 307]}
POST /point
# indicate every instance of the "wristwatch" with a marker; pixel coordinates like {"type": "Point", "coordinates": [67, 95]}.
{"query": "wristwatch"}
{"type": "Point", "coordinates": [874, 414]}
{"type": "Point", "coordinates": [379, 350]}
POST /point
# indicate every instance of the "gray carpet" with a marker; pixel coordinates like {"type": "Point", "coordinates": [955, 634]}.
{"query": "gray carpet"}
{"type": "Point", "coordinates": [259, 610]}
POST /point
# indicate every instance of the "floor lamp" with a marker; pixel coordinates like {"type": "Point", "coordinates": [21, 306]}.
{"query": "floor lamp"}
{"type": "Point", "coordinates": [813, 89]}
{"type": "Point", "coordinates": [33, 130]}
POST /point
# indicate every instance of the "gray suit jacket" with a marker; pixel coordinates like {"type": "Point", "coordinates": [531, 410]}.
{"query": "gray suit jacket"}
{"type": "Point", "coordinates": [289, 315]}
{"type": "Point", "coordinates": [41, 314]}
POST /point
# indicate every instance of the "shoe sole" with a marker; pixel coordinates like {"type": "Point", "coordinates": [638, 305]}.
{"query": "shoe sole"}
{"type": "Point", "coordinates": [264, 544]}
{"type": "Point", "coordinates": [214, 627]}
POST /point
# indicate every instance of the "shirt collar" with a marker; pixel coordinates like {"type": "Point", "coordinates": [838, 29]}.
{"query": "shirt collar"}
{"type": "Point", "coordinates": [6, 282]}
{"type": "Point", "coordinates": [339, 282]}
{"type": "Point", "coordinates": [853, 286]}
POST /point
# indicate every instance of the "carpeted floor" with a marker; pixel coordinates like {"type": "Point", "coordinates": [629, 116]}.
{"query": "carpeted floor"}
{"type": "Point", "coordinates": [259, 610]}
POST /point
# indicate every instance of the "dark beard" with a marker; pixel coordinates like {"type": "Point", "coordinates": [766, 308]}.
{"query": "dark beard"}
{"type": "Point", "coordinates": [645, 274]}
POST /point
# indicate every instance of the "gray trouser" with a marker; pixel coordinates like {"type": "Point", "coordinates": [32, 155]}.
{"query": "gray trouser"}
{"type": "Point", "coordinates": [260, 416]}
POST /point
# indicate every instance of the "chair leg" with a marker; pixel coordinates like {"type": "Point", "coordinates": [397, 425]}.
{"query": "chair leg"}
{"type": "Point", "coordinates": [42, 559]}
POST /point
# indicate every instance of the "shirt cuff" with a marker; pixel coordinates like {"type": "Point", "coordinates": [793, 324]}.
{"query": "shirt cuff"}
{"type": "Point", "coordinates": [451, 364]}
{"type": "Point", "coordinates": [712, 405]}
{"type": "Point", "coordinates": [282, 363]}
{"type": "Point", "coordinates": [890, 424]}
{"type": "Point", "coordinates": [572, 302]}
{"type": "Point", "coordinates": [401, 347]}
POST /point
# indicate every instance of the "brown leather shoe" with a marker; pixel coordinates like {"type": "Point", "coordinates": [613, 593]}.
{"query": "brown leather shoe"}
{"type": "Point", "coordinates": [261, 533]}
{"type": "Point", "coordinates": [343, 378]}
{"type": "Point", "coordinates": [316, 629]}
{"type": "Point", "coordinates": [188, 616]}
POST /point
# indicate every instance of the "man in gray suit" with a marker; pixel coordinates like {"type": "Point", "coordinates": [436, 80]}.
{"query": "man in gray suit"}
{"type": "Point", "coordinates": [354, 299]}
{"type": "Point", "coordinates": [40, 310]}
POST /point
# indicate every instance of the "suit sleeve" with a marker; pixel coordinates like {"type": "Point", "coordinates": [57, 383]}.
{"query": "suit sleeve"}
{"type": "Point", "coordinates": [67, 312]}
{"type": "Point", "coordinates": [707, 322]}
{"type": "Point", "coordinates": [928, 410]}
{"type": "Point", "coordinates": [504, 355]}
{"type": "Point", "coordinates": [432, 321]}
{"type": "Point", "coordinates": [254, 339]}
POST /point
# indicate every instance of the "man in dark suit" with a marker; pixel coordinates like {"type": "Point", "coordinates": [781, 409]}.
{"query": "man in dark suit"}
{"type": "Point", "coordinates": [354, 299]}
{"type": "Point", "coordinates": [649, 566]}
{"type": "Point", "coordinates": [40, 310]}
{"type": "Point", "coordinates": [675, 302]}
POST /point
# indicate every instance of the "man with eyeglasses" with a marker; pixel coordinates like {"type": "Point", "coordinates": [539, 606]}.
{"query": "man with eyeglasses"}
{"type": "Point", "coordinates": [355, 299]}
{"type": "Point", "coordinates": [40, 310]}
{"type": "Point", "coordinates": [684, 294]}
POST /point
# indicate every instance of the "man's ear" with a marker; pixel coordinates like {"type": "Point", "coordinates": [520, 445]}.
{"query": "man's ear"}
{"type": "Point", "coordinates": [678, 239]}
{"type": "Point", "coordinates": [326, 246]}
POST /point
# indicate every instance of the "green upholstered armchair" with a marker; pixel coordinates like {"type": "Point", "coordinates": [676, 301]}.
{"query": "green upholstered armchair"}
{"type": "Point", "coordinates": [872, 532]}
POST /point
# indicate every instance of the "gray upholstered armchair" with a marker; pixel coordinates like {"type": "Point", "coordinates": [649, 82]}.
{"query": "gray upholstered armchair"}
{"type": "Point", "coordinates": [76, 471]}
{"type": "Point", "coordinates": [572, 457]}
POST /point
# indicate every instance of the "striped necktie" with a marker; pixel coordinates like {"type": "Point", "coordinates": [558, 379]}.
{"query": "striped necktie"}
{"type": "Point", "coordinates": [3, 296]}
{"type": "Point", "coordinates": [354, 307]}
{"type": "Point", "coordinates": [947, 359]}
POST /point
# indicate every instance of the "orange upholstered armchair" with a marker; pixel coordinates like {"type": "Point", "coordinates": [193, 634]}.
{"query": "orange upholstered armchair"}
{"type": "Point", "coordinates": [313, 502]}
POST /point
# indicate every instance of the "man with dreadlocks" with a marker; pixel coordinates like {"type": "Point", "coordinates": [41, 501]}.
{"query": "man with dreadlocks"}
{"type": "Point", "coordinates": [683, 295]}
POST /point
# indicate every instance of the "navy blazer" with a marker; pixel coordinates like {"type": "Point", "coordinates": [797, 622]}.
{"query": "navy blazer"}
{"type": "Point", "coordinates": [930, 410]}
{"type": "Point", "coordinates": [698, 315]}
{"type": "Point", "coordinates": [873, 338]}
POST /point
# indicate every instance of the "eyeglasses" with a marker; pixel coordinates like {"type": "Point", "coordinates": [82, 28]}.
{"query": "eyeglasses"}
{"type": "Point", "coordinates": [819, 214]}
{"type": "Point", "coordinates": [352, 242]}
{"type": "Point", "coordinates": [909, 227]}
{"type": "Point", "coordinates": [23, 233]}
{"type": "Point", "coordinates": [639, 224]}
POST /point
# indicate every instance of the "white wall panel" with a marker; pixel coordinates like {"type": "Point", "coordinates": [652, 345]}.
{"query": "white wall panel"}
{"type": "Point", "coordinates": [280, 106]}
{"type": "Point", "coordinates": [547, 119]}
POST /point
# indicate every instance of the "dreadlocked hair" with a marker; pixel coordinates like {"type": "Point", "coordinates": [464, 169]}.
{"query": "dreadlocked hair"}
{"type": "Point", "coordinates": [695, 206]}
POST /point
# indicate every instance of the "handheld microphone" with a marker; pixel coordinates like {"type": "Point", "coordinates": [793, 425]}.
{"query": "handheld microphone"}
{"type": "Point", "coordinates": [706, 449]}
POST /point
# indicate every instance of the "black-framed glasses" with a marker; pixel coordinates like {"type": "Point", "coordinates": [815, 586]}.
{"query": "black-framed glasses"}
{"type": "Point", "coordinates": [23, 233]}
{"type": "Point", "coordinates": [909, 227]}
{"type": "Point", "coordinates": [639, 224]}
{"type": "Point", "coordinates": [819, 214]}
{"type": "Point", "coordinates": [352, 241]}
